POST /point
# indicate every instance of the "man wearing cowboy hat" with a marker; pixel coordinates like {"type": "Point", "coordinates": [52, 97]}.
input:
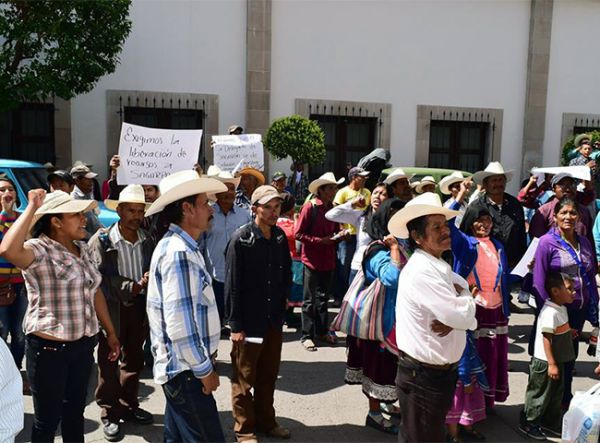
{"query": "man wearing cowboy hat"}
{"type": "Point", "coordinates": [227, 218]}
{"type": "Point", "coordinates": [400, 183]}
{"type": "Point", "coordinates": [182, 312]}
{"type": "Point", "coordinates": [257, 286]}
{"type": "Point", "coordinates": [433, 312]}
{"type": "Point", "coordinates": [319, 241]}
{"type": "Point", "coordinates": [506, 211]}
{"type": "Point", "coordinates": [427, 184]}
{"type": "Point", "coordinates": [251, 178]}
{"type": "Point", "coordinates": [451, 185]}
{"type": "Point", "coordinates": [122, 253]}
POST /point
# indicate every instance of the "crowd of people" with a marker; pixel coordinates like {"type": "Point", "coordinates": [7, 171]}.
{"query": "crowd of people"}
{"type": "Point", "coordinates": [207, 256]}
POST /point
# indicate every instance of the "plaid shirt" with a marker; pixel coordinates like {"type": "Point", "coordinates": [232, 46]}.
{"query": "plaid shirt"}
{"type": "Point", "coordinates": [61, 289]}
{"type": "Point", "coordinates": [183, 316]}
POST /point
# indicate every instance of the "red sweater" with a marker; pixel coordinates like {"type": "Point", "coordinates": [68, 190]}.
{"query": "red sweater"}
{"type": "Point", "coordinates": [310, 229]}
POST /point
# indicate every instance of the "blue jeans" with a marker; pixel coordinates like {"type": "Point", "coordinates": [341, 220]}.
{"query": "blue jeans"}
{"type": "Point", "coordinates": [11, 322]}
{"type": "Point", "coordinates": [190, 415]}
{"type": "Point", "coordinates": [345, 253]}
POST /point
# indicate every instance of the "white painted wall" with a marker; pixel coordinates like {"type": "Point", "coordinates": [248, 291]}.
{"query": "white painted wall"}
{"type": "Point", "coordinates": [574, 77]}
{"type": "Point", "coordinates": [451, 53]}
{"type": "Point", "coordinates": [174, 46]}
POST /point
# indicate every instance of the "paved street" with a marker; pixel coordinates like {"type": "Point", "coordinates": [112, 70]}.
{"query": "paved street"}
{"type": "Point", "coordinates": [313, 401]}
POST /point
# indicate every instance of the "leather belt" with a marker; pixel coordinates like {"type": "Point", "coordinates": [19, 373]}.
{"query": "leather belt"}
{"type": "Point", "coordinates": [445, 367]}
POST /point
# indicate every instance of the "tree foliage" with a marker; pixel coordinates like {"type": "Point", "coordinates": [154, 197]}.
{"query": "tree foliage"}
{"type": "Point", "coordinates": [58, 48]}
{"type": "Point", "coordinates": [297, 137]}
{"type": "Point", "coordinates": [569, 145]}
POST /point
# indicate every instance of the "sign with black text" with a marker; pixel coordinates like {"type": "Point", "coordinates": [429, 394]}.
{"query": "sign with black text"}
{"type": "Point", "coordinates": [238, 150]}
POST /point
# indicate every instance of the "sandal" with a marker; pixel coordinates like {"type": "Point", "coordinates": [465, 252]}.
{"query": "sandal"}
{"type": "Point", "coordinates": [384, 425]}
{"type": "Point", "coordinates": [471, 434]}
{"type": "Point", "coordinates": [309, 345]}
{"type": "Point", "coordinates": [390, 409]}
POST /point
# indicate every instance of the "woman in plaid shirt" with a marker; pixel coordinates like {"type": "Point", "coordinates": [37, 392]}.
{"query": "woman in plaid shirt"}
{"type": "Point", "coordinates": [64, 307]}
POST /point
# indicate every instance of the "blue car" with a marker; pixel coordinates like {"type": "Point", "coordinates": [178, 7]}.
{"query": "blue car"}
{"type": "Point", "coordinates": [31, 175]}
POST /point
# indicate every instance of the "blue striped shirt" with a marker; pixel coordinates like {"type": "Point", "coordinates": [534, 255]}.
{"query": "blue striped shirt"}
{"type": "Point", "coordinates": [183, 316]}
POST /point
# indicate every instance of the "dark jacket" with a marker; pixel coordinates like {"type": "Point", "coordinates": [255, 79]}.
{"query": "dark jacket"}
{"type": "Point", "coordinates": [116, 288]}
{"type": "Point", "coordinates": [258, 280]}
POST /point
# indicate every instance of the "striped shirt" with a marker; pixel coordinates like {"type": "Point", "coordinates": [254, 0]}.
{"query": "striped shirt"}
{"type": "Point", "coordinates": [182, 312]}
{"type": "Point", "coordinates": [130, 255]}
{"type": "Point", "coordinates": [7, 269]}
{"type": "Point", "coordinates": [11, 396]}
{"type": "Point", "coordinates": [61, 288]}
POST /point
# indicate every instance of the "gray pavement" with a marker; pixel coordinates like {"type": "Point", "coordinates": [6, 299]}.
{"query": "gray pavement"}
{"type": "Point", "coordinates": [315, 404]}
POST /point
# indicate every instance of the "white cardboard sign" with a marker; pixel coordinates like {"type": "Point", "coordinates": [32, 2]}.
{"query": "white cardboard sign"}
{"type": "Point", "coordinates": [148, 154]}
{"type": "Point", "coordinates": [234, 150]}
{"type": "Point", "coordinates": [580, 172]}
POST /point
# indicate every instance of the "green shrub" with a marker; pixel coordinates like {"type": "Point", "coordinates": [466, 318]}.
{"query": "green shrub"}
{"type": "Point", "coordinates": [297, 137]}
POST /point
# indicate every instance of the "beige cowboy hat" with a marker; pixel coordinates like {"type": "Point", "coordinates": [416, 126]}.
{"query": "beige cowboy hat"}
{"type": "Point", "coordinates": [396, 174]}
{"type": "Point", "coordinates": [447, 181]}
{"type": "Point", "coordinates": [129, 194]}
{"type": "Point", "coordinates": [494, 168]}
{"type": "Point", "coordinates": [428, 203]}
{"type": "Point", "coordinates": [254, 172]}
{"type": "Point", "coordinates": [427, 180]}
{"type": "Point", "coordinates": [183, 184]}
{"type": "Point", "coordinates": [59, 202]}
{"type": "Point", "coordinates": [223, 176]}
{"type": "Point", "coordinates": [326, 179]}
{"type": "Point", "coordinates": [580, 138]}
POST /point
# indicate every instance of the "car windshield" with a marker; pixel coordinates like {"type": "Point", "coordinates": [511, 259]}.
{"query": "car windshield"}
{"type": "Point", "coordinates": [31, 178]}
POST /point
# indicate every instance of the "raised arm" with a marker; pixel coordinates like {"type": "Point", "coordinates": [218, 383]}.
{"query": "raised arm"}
{"type": "Point", "coordinates": [345, 213]}
{"type": "Point", "coordinates": [13, 247]}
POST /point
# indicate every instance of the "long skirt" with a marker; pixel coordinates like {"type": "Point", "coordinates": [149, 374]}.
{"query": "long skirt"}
{"type": "Point", "coordinates": [492, 346]}
{"type": "Point", "coordinates": [467, 409]}
{"type": "Point", "coordinates": [373, 367]}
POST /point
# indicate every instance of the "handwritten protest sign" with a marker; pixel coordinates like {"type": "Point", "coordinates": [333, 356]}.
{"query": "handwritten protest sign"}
{"type": "Point", "coordinates": [148, 154]}
{"type": "Point", "coordinates": [580, 172]}
{"type": "Point", "coordinates": [230, 150]}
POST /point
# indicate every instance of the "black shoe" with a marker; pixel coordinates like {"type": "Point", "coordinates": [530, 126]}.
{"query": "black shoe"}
{"type": "Point", "coordinates": [552, 431]}
{"type": "Point", "coordinates": [142, 417]}
{"type": "Point", "coordinates": [112, 431]}
{"type": "Point", "coordinates": [389, 429]}
{"type": "Point", "coordinates": [532, 430]}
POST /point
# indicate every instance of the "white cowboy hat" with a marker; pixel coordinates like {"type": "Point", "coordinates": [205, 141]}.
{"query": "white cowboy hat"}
{"type": "Point", "coordinates": [223, 176]}
{"type": "Point", "coordinates": [59, 202]}
{"type": "Point", "coordinates": [455, 177]}
{"type": "Point", "coordinates": [183, 184]}
{"type": "Point", "coordinates": [428, 203]}
{"type": "Point", "coordinates": [326, 179]}
{"type": "Point", "coordinates": [397, 174]}
{"type": "Point", "coordinates": [129, 194]}
{"type": "Point", "coordinates": [494, 168]}
{"type": "Point", "coordinates": [427, 180]}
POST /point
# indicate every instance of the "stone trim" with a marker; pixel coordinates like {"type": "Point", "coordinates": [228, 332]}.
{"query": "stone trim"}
{"type": "Point", "coordinates": [117, 99]}
{"type": "Point", "coordinates": [258, 68]}
{"type": "Point", "coordinates": [382, 111]}
{"type": "Point", "coordinates": [63, 144]}
{"type": "Point", "coordinates": [570, 120]}
{"type": "Point", "coordinates": [426, 113]}
{"type": "Point", "coordinates": [536, 92]}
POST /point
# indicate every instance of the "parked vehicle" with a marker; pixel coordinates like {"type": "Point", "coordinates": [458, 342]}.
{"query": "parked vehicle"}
{"type": "Point", "coordinates": [419, 173]}
{"type": "Point", "coordinates": [31, 175]}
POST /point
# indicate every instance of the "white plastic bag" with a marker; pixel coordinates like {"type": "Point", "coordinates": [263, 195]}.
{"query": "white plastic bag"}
{"type": "Point", "coordinates": [581, 423]}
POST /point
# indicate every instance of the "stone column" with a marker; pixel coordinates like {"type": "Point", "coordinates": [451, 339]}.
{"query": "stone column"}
{"type": "Point", "coordinates": [538, 65]}
{"type": "Point", "coordinates": [258, 68]}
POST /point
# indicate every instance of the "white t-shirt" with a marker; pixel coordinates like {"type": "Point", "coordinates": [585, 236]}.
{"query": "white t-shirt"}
{"type": "Point", "coordinates": [553, 319]}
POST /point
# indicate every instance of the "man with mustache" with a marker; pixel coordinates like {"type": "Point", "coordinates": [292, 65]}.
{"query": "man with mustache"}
{"type": "Point", "coordinates": [123, 252]}
{"type": "Point", "coordinates": [258, 281]}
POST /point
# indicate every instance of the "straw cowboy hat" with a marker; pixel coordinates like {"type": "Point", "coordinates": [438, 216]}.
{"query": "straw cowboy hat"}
{"type": "Point", "coordinates": [455, 177]}
{"type": "Point", "coordinates": [428, 203]}
{"type": "Point", "coordinates": [326, 179]}
{"type": "Point", "coordinates": [427, 180]}
{"type": "Point", "coordinates": [129, 194]}
{"type": "Point", "coordinates": [254, 172]}
{"type": "Point", "coordinates": [397, 174]}
{"type": "Point", "coordinates": [580, 138]}
{"type": "Point", "coordinates": [494, 168]}
{"type": "Point", "coordinates": [223, 176]}
{"type": "Point", "coordinates": [183, 184]}
{"type": "Point", "coordinates": [59, 202]}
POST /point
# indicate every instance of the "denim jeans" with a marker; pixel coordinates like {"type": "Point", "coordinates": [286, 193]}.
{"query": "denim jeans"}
{"type": "Point", "coordinates": [345, 253]}
{"type": "Point", "coordinates": [190, 415]}
{"type": "Point", "coordinates": [11, 322]}
{"type": "Point", "coordinates": [59, 373]}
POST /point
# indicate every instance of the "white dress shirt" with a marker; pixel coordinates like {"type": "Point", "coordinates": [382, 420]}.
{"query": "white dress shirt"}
{"type": "Point", "coordinates": [11, 396]}
{"type": "Point", "coordinates": [426, 293]}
